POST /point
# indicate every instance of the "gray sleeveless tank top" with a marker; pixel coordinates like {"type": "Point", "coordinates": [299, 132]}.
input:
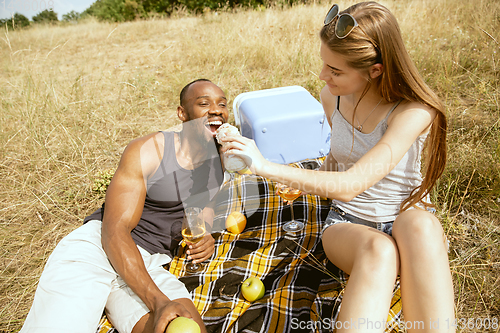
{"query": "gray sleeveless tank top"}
{"type": "Point", "coordinates": [169, 190]}
{"type": "Point", "coordinates": [382, 201]}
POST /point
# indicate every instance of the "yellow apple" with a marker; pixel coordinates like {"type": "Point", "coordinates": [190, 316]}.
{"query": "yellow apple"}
{"type": "Point", "coordinates": [236, 222]}
{"type": "Point", "coordinates": [252, 289]}
{"type": "Point", "coordinates": [183, 325]}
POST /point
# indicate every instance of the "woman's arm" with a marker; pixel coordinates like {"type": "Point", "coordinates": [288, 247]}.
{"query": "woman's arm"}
{"type": "Point", "coordinates": [404, 127]}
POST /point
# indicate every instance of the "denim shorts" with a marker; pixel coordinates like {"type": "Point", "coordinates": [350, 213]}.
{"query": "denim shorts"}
{"type": "Point", "coordinates": [337, 215]}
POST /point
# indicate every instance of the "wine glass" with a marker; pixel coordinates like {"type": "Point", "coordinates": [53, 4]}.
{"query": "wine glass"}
{"type": "Point", "coordinates": [289, 194]}
{"type": "Point", "coordinates": [193, 230]}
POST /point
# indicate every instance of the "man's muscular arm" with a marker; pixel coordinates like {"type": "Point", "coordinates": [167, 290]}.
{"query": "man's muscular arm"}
{"type": "Point", "coordinates": [124, 204]}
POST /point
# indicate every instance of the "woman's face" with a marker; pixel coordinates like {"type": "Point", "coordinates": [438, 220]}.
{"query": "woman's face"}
{"type": "Point", "coordinates": [341, 79]}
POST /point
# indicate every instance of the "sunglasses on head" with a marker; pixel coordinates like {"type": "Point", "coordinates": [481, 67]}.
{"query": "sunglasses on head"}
{"type": "Point", "coordinates": [345, 22]}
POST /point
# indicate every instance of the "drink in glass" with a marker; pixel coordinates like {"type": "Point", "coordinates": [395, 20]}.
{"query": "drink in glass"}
{"type": "Point", "coordinates": [193, 230]}
{"type": "Point", "coordinates": [289, 194]}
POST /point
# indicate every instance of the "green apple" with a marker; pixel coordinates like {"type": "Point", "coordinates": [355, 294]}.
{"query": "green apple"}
{"type": "Point", "coordinates": [252, 289]}
{"type": "Point", "coordinates": [183, 325]}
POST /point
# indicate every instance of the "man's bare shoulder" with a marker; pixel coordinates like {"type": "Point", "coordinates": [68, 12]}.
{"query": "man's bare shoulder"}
{"type": "Point", "coordinates": [145, 152]}
{"type": "Point", "coordinates": [147, 144]}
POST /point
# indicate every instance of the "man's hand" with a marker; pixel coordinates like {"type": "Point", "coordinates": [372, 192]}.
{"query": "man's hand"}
{"type": "Point", "coordinates": [202, 250]}
{"type": "Point", "coordinates": [165, 312]}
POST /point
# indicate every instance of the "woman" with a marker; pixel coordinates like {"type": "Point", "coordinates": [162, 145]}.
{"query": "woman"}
{"type": "Point", "coordinates": [381, 112]}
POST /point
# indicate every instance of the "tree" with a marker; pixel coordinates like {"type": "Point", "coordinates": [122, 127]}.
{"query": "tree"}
{"type": "Point", "coordinates": [46, 16]}
{"type": "Point", "coordinates": [72, 16]}
{"type": "Point", "coordinates": [159, 6]}
{"type": "Point", "coordinates": [127, 10]}
{"type": "Point", "coordinates": [116, 10]}
{"type": "Point", "coordinates": [132, 10]}
{"type": "Point", "coordinates": [20, 21]}
{"type": "Point", "coordinates": [17, 21]}
{"type": "Point", "coordinates": [107, 10]}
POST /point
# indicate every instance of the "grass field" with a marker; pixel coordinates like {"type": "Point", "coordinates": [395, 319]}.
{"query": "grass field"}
{"type": "Point", "coordinates": [72, 97]}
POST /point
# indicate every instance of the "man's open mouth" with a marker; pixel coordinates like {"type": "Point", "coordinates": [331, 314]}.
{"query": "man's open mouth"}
{"type": "Point", "coordinates": [213, 125]}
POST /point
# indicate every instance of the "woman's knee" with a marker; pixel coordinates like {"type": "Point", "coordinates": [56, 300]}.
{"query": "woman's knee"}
{"type": "Point", "coordinates": [417, 222]}
{"type": "Point", "coordinates": [379, 251]}
{"type": "Point", "coordinates": [418, 227]}
{"type": "Point", "coordinates": [349, 246]}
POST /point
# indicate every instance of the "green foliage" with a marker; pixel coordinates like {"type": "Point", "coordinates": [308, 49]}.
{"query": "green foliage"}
{"type": "Point", "coordinates": [46, 16]}
{"type": "Point", "coordinates": [116, 10]}
{"type": "Point", "coordinates": [101, 182]}
{"type": "Point", "coordinates": [157, 6]}
{"type": "Point", "coordinates": [18, 21]}
{"type": "Point", "coordinates": [72, 16]}
{"type": "Point", "coordinates": [132, 10]}
{"type": "Point", "coordinates": [128, 10]}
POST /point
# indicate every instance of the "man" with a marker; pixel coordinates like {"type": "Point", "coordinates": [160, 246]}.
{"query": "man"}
{"type": "Point", "coordinates": [117, 264]}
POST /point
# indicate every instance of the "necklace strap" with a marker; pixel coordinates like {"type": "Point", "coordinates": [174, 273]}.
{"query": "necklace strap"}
{"type": "Point", "coordinates": [360, 125]}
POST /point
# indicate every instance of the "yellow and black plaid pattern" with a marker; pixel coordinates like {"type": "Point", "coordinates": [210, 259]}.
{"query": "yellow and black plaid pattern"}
{"type": "Point", "coordinates": [302, 286]}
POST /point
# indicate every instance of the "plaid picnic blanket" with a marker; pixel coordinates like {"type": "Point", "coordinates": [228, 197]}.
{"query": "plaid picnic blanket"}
{"type": "Point", "coordinates": [303, 289]}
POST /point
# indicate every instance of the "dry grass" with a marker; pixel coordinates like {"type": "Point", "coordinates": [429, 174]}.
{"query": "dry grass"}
{"type": "Point", "coordinates": [73, 96]}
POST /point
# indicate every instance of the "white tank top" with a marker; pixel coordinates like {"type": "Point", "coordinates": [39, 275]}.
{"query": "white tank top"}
{"type": "Point", "coordinates": [382, 201]}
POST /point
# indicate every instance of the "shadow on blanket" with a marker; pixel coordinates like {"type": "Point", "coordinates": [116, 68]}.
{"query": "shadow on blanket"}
{"type": "Point", "coordinates": [302, 286]}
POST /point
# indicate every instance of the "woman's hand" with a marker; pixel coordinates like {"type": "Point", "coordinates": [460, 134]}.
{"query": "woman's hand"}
{"type": "Point", "coordinates": [246, 149]}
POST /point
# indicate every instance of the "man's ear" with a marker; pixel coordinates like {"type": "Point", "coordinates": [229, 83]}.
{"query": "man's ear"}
{"type": "Point", "coordinates": [182, 114]}
{"type": "Point", "coordinates": [376, 70]}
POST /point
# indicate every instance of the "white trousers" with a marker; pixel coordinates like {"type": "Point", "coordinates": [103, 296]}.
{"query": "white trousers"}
{"type": "Point", "coordinates": [78, 283]}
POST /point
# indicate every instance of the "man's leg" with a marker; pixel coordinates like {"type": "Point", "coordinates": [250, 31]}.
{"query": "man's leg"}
{"type": "Point", "coordinates": [74, 285]}
{"type": "Point", "coordinates": [127, 312]}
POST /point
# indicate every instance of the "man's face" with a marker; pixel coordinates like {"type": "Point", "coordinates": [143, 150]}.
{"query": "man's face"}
{"type": "Point", "coordinates": [206, 101]}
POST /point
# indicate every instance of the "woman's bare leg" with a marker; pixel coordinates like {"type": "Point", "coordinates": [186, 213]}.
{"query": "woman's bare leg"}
{"type": "Point", "coordinates": [426, 283]}
{"type": "Point", "coordinates": [370, 257]}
